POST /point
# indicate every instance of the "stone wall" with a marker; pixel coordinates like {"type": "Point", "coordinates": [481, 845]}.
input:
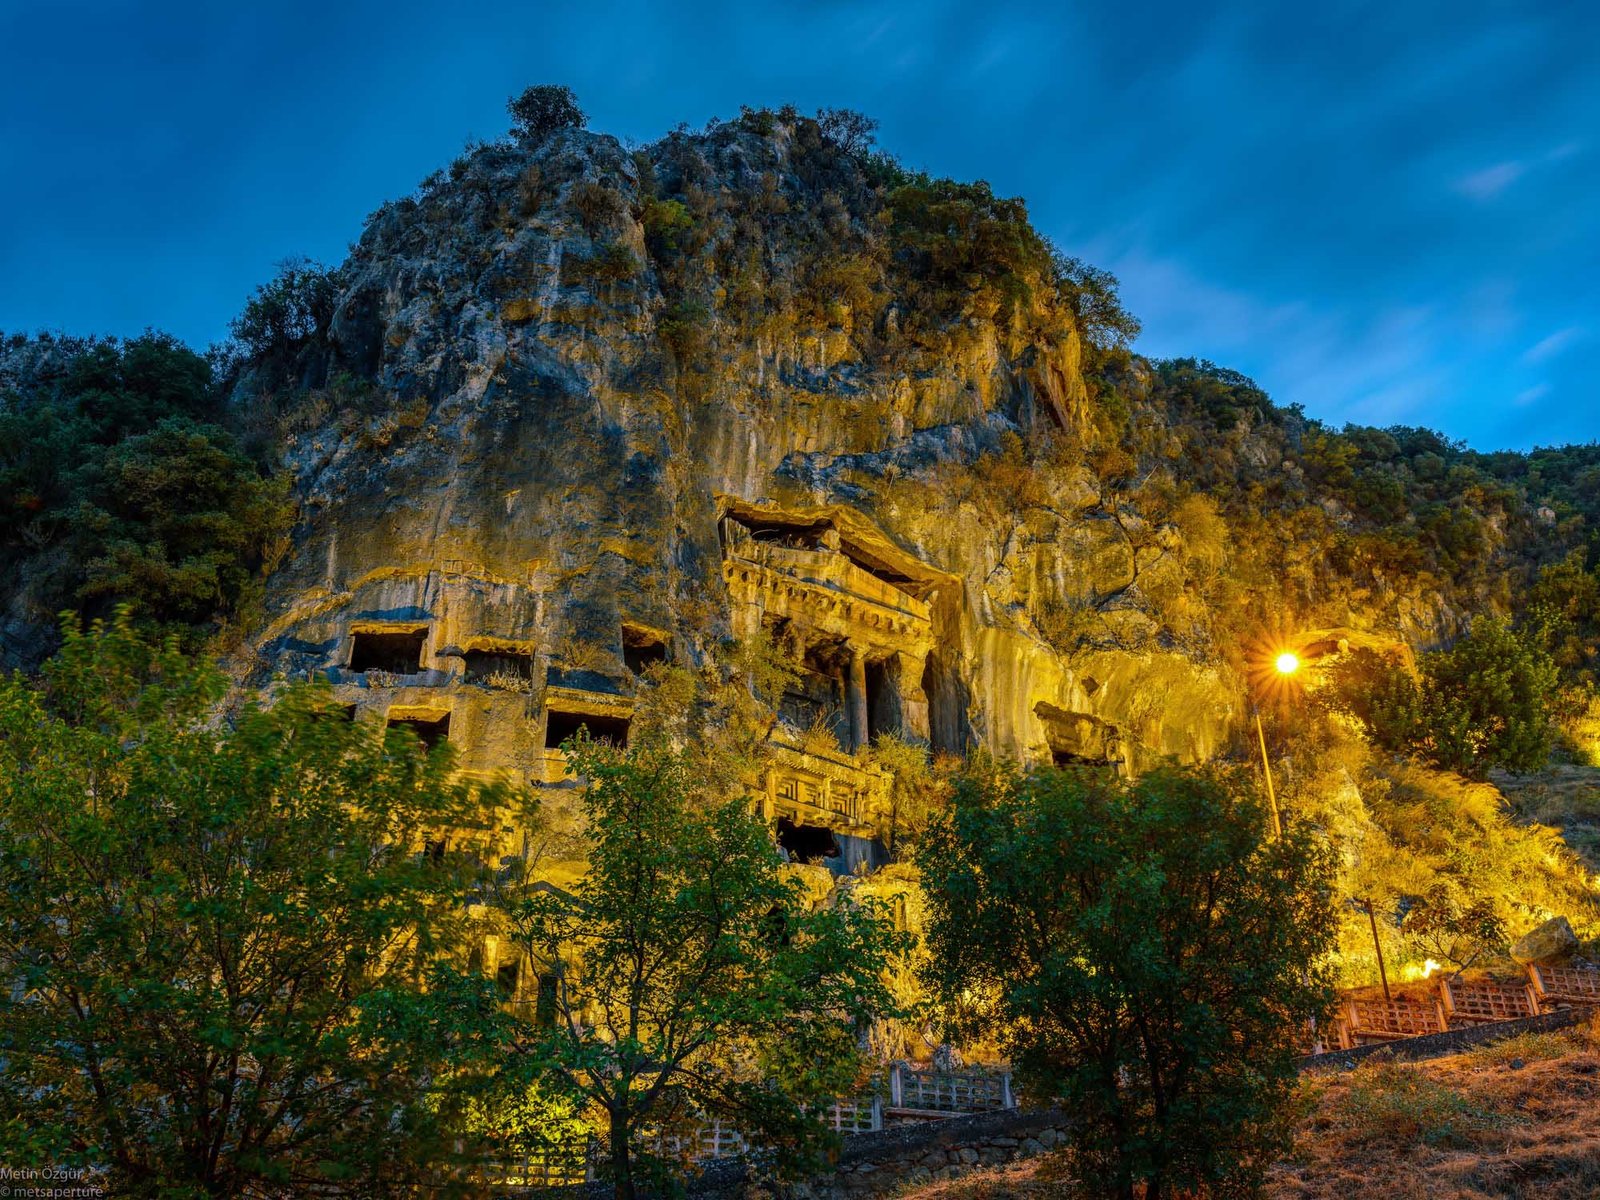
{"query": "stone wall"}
{"type": "Point", "coordinates": [873, 1164]}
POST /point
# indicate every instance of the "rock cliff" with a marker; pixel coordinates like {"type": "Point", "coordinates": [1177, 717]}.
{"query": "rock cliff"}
{"type": "Point", "coordinates": [563, 383]}
{"type": "Point", "coordinates": [576, 409]}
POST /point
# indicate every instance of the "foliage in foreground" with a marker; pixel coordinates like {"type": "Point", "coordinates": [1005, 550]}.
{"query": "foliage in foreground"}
{"type": "Point", "coordinates": [1144, 954]}
{"type": "Point", "coordinates": [220, 948]}
{"type": "Point", "coordinates": [686, 978]}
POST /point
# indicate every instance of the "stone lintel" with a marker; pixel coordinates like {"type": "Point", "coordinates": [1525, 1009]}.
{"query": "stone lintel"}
{"type": "Point", "coordinates": [818, 789]}
{"type": "Point", "coordinates": [880, 628]}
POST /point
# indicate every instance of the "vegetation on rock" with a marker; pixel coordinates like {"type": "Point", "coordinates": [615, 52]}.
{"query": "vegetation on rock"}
{"type": "Point", "coordinates": [542, 110]}
{"type": "Point", "coordinates": [121, 482]}
{"type": "Point", "coordinates": [1485, 702]}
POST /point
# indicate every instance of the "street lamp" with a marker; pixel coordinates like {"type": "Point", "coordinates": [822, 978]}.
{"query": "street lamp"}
{"type": "Point", "coordinates": [1286, 664]}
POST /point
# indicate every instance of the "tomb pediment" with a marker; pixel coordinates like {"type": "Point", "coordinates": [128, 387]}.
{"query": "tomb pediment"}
{"type": "Point", "coordinates": [830, 570]}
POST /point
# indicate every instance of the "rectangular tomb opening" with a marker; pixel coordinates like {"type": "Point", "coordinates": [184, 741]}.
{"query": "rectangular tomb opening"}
{"type": "Point", "coordinates": [499, 667]}
{"type": "Point", "coordinates": [429, 730]}
{"type": "Point", "coordinates": [642, 648]}
{"type": "Point", "coordinates": [505, 981]}
{"type": "Point", "coordinates": [807, 843]}
{"type": "Point", "coordinates": [398, 652]}
{"type": "Point", "coordinates": [561, 725]}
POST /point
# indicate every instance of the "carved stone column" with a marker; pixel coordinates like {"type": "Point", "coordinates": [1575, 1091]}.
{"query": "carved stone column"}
{"type": "Point", "coordinates": [856, 696]}
{"type": "Point", "coordinates": [913, 700]}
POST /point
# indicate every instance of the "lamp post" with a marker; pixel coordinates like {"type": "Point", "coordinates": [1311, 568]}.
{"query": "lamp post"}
{"type": "Point", "coordinates": [1286, 664]}
{"type": "Point", "coordinates": [1383, 976]}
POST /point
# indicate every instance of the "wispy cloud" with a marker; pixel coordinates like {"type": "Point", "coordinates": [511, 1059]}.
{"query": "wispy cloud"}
{"type": "Point", "coordinates": [1380, 367]}
{"type": "Point", "coordinates": [1531, 395]}
{"type": "Point", "coordinates": [1490, 182]}
{"type": "Point", "coordinates": [1547, 348]}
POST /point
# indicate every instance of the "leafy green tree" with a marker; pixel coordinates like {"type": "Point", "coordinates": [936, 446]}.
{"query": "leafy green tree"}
{"type": "Point", "coordinates": [542, 110]}
{"type": "Point", "coordinates": [118, 482]}
{"type": "Point", "coordinates": [1145, 954]}
{"type": "Point", "coordinates": [177, 522]}
{"type": "Point", "coordinates": [686, 980]}
{"type": "Point", "coordinates": [1381, 694]}
{"type": "Point", "coordinates": [286, 312]}
{"type": "Point", "coordinates": [220, 946]}
{"type": "Point", "coordinates": [1485, 702]}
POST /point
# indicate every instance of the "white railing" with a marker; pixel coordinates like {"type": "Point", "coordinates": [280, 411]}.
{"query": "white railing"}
{"type": "Point", "coordinates": [949, 1091]}
{"type": "Point", "coordinates": [903, 1092]}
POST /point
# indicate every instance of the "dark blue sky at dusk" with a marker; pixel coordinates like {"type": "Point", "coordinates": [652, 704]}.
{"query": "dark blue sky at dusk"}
{"type": "Point", "coordinates": [1388, 213]}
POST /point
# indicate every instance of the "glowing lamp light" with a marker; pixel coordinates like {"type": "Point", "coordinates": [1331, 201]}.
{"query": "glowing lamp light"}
{"type": "Point", "coordinates": [1287, 663]}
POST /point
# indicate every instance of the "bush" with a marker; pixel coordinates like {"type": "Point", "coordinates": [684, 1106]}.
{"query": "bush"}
{"type": "Point", "coordinates": [1486, 702]}
{"type": "Point", "coordinates": [287, 312]}
{"type": "Point", "coordinates": [542, 110]}
{"type": "Point", "coordinates": [1146, 956]}
{"type": "Point", "coordinates": [598, 207]}
{"type": "Point", "coordinates": [1395, 1104]}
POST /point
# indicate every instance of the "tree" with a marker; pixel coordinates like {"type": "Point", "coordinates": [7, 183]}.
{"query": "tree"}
{"type": "Point", "coordinates": [1485, 702]}
{"type": "Point", "coordinates": [1145, 954]}
{"type": "Point", "coordinates": [685, 978]}
{"type": "Point", "coordinates": [852, 132]}
{"type": "Point", "coordinates": [221, 949]}
{"type": "Point", "coordinates": [119, 483]}
{"type": "Point", "coordinates": [917, 789]}
{"type": "Point", "coordinates": [542, 110]}
{"type": "Point", "coordinates": [285, 313]}
{"type": "Point", "coordinates": [1092, 292]}
{"type": "Point", "coordinates": [177, 522]}
{"type": "Point", "coordinates": [1379, 692]}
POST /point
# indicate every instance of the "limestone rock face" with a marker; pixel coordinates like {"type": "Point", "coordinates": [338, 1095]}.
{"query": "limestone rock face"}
{"type": "Point", "coordinates": [538, 453]}
{"type": "Point", "coordinates": [1553, 941]}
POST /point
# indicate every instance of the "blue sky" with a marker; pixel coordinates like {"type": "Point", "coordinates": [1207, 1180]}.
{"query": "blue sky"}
{"type": "Point", "coordinates": [1389, 213]}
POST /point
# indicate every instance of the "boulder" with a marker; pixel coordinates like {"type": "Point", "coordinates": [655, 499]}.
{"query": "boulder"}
{"type": "Point", "coordinates": [1551, 942]}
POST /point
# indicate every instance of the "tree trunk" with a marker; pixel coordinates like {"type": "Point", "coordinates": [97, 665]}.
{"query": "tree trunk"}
{"type": "Point", "coordinates": [621, 1164]}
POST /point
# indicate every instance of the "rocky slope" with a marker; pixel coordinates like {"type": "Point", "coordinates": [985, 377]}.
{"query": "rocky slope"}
{"type": "Point", "coordinates": [547, 376]}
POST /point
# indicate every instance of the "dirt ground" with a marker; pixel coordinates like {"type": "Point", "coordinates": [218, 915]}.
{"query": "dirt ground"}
{"type": "Point", "coordinates": [1518, 1119]}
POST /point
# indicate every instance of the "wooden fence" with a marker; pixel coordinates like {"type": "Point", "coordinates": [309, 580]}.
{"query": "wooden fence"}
{"type": "Point", "coordinates": [915, 1091]}
{"type": "Point", "coordinates": [1453, 1004]}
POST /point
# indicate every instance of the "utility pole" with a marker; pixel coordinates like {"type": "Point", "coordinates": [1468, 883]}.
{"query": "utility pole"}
{"type": "Point", "coordinates": [1383, 976]}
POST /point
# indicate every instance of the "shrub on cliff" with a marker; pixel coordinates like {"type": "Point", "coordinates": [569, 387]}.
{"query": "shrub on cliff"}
{"type": "Point", "coordinates": [959, 242]}
{"type": "Point", "coordinates": [1145, 954]}
{"type": "Point", "coordinates": [851, 131]}
{"type": "Point", "coordinates": [542, 110]}
{"type": "Point", "coordinates": [285, 313]}
{"type": "Point", "coordinates": [220, 952]}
